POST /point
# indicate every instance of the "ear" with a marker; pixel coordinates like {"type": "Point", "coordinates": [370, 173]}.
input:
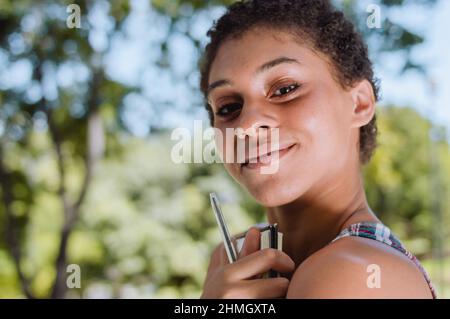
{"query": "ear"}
{"type": "Point", "coordinates": [364, 103]}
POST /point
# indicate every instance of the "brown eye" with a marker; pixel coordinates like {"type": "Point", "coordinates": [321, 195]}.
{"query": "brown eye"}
{"type": "Point", "coordinates": [228, 109]}
{"type": "Point", "coordinates": [286, 90]}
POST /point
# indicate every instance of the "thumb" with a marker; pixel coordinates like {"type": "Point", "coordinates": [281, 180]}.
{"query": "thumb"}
{"type": "Point", "coordinates": [251, 242]}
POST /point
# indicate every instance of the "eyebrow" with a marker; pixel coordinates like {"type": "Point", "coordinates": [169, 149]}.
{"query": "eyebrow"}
{"type": "Point", "coordinates": [263, 68]}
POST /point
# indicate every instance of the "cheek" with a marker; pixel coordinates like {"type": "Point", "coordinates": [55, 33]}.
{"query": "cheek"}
{"type": "Point", "coordinates": [224, 142]}
{"type": "Point", "coordinates": [225, 145]}
{"type": "Point", "coordinates": [319, 127]}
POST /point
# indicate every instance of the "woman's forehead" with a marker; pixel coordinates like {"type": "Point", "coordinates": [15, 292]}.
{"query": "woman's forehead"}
{"type": "Point", "coordinates": [250, 51]}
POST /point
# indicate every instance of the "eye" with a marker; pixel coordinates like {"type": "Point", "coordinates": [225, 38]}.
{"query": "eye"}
{"type": "Point", "coordinates": [228, 109]}
{"type": "Point", "coordinates": [286, 90]}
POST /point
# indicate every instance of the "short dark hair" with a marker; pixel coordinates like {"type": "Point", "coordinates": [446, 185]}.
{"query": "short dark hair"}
{"type": "Point", "coordinates": [317, 23]}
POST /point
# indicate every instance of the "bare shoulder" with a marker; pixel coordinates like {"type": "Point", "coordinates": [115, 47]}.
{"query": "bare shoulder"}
{"type": "Point", "coordinates": [355, 267]}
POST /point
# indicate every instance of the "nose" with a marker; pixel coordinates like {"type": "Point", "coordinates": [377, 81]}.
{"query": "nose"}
{"type": "Point", "coordinates": [257, 130]}
{"type": "Point", "coordinates": [253, 118]}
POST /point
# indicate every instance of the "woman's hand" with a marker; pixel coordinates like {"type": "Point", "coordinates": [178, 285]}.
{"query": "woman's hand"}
{"type": "Point", "coordinates": [241, 278]}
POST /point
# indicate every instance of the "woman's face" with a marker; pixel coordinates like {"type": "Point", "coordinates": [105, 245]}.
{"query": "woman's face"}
{"type": "Point", "coordinates": [299, 96]}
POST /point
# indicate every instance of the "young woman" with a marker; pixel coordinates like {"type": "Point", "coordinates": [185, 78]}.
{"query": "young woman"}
{"type": "Point", "coordinates": [299, 66]}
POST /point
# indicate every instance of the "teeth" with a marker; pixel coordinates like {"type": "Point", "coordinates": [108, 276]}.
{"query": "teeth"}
{"type": "Point", "coordinates": [265, 159]}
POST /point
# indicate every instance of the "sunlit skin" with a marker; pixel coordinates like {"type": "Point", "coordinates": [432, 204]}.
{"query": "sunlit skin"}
{"type": "Point", "coordinates": [318, 189]}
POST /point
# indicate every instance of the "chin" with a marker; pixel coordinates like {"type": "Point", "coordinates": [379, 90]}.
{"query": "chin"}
{"type": "Point", "coordinates": [286, 184]}
{"type": "Point", "coordinates": [274, 190]}
{"type": "Point", "coordinates": [274, 194]}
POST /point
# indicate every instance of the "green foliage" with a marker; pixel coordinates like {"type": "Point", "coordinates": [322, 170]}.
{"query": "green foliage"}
{"type": "Point", "coordinates": [400, 176]}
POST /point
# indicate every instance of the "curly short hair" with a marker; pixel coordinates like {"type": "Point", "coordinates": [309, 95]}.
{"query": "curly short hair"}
{"type": "Point", "coordinates": [315, 22]}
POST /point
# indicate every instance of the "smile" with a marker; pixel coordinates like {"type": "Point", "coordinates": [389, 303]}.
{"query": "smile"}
{"type": "Point", "coordinates": [266, 159]}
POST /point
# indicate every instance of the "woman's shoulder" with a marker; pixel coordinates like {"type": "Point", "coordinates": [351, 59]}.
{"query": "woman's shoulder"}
{"type": "Point", "coordinates": [355, 267]}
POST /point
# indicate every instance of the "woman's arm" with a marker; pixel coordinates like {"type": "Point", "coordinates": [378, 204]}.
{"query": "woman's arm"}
{"type": "Point", "coordinates": [358, 268]}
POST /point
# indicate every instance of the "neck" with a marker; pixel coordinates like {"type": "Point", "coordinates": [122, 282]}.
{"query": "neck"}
{"type": "Point", "coordinates": [311, 222]}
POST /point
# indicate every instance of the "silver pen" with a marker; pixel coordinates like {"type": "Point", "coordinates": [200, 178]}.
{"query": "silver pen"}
{"type": "Point", "coordinates": [229, 246]}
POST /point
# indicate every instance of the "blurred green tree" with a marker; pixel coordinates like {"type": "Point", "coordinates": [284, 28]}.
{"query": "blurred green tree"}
{"type": "Point", "coordinates": [399, 179]}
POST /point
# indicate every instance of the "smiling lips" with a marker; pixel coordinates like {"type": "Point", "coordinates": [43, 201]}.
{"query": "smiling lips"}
{"type": "Point", "coordinates": [265, 159]}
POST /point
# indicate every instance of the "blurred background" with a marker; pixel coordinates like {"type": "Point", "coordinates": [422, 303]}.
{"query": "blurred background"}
{"type": "Point", "coordinates": [86, 114]}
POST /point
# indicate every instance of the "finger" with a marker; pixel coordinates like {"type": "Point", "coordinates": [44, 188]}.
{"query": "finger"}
{"type": "Point", "coordinates": [262, 288]}
{"type": "Point", "coordinates": [223, 255]}
{"type": "Point", "coordinates": [251, 242]}
{"type": "Point", "coordinates": [217, 257]}
{"type": "Point", "coordinates": [259, 262]}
